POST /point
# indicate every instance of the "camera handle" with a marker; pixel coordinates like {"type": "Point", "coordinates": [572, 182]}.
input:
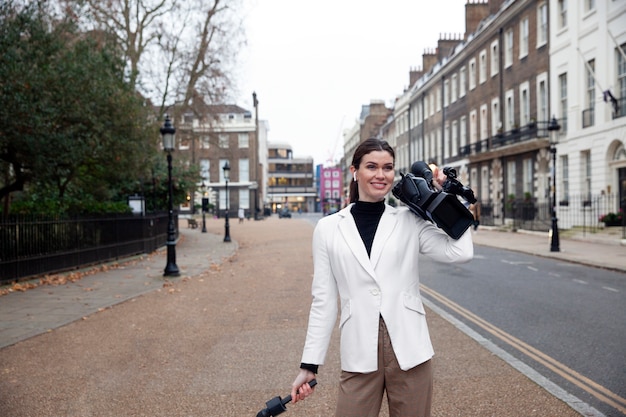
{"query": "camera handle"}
{"type": "Point", "coordinates": [276, 405]}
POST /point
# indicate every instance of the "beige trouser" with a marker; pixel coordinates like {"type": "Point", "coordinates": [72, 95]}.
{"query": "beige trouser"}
{"type": "Point", "coordinates": [409, 393]}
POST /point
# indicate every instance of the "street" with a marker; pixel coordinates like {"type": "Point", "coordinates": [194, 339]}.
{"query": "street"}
{"type": "Point", "coordinates": [564, 320]}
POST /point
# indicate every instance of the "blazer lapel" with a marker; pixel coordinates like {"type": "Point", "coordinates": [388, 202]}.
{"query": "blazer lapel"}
{"type": "Point", "coordinates": [386, 227]}
{"type": "Point", "coordinates": [350, 233]}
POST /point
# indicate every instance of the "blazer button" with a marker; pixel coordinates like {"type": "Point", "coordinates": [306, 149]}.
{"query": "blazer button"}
{"type": "Point", "coordinates": [374, 292]}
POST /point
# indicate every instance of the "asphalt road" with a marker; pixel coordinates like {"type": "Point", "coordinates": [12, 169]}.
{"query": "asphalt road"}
{"type": "Point", "coordinates": [564, 320]}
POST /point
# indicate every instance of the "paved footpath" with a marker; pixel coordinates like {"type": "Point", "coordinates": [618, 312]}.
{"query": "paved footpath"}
{"type": "Point", "coordinates": [227, 335]}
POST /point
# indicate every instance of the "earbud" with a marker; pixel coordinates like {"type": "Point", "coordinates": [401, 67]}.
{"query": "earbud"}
{"type": "Point", "coordinates": [354, 176]}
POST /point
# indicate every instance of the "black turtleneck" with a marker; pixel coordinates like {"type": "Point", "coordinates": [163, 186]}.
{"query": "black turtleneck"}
{"type": "Point", "coordinates": [366, 216]}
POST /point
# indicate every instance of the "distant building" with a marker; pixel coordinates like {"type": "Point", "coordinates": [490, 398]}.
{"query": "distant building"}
{"type": "Point", "coordinates": [290, 181]}
{"type": "Point", "coordinates": [330, 189]}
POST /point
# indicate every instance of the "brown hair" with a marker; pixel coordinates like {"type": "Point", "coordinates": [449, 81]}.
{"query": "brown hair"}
{"type": "Point", "coordinates": [367, 146]}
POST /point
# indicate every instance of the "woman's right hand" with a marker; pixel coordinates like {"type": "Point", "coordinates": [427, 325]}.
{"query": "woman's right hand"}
{"type": "Point", "coordinates": [300, 389]}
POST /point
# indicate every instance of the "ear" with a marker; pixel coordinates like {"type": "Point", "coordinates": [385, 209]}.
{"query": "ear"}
{"type": "Point", "coordinates": [353, 171]}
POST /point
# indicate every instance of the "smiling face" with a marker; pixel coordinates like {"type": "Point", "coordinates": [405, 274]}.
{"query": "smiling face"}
{"type": "Point", "coordinates": [374, 176]}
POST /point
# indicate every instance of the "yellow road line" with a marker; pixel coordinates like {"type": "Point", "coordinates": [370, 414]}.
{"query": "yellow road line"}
{"type": "Point", "coordinates": [570, 375]}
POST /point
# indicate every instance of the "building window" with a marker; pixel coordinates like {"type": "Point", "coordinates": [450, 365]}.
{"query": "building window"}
{"type": "Point", "coordinates": [564, 176]}
{"type": "Point", "coordinates": [508, 48]}
{"type": "Point", "coordinates": [621, 81]}
{"type": "Point", "coordinates": [542, 97]}
{"type": "Point", "coordinates": [585, 175]}
{"type": "Point", "coordinates": [454, 139]}
{"type": "Point", "coordinates": [223, 141]}
{"type": "Point", "coordinates": [472, 73]}
{"type": "Point", "coordinates": [495, 58]}
{"type": "Point", "coordinates": [509, 111]}
{"type": "Point", "coordinates": [562, 7]}
{"type": "Point", "coordinates": [438, 98]}
{"type": "Point", "coordinates": [484, 126]}
{"type": "Point", "coordinates": [524, 100]}
{"type": "Point", "coordinates": [590, 96]}
{"type": "Point", "coordinates": [221, 171]}
{"type": "Point", "coordinates": [205, 171]}
{"type": "Point", "coordinates": [244, 140]}
{"type": "Point", "coordinates": [542, 24]}
{"type": "Point", "coordinates": [482, 67]}
{"type": "Point", "coordinates": [563, 99]}
{"type": "Point", "coordinates": [528, 176]}
{"type": "Point", "coordinates": [463, 132]}
{"type": "Point", "coordinates": [453, 88]}
{"type": "Point", "coordinates": [244, 199]}
{"type": "Point", "coordinates": [446, 93]}
{"type": "Point", "coordinates": [244, 170]}
{"type": "Point", "coordinates": [510, 179]}
{"type": "Point", "coordinates": [205, 142]}
{"type": "Point", "coordinates": [523, 38]}
{"type": "Point", "coordinates": [462, 82]}
{"type": "Point", "coordinates": [473, 127]}
{"type": "Point", "coordinates": [496, 124]}
{"type": "Point", "coordinates": [590, 5]}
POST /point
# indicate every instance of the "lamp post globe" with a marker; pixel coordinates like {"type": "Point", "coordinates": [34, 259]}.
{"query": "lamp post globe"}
{"type": "Point", "coordinates": [553, 129]}
{"type": "Point", "coordinates": [168, 133]}
{"type": "Point", "coordinates": [226, 169]}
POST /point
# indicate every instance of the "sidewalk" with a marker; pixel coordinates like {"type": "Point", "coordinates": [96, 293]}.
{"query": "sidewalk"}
{"type": "Point", "coordinates": [226, 335]}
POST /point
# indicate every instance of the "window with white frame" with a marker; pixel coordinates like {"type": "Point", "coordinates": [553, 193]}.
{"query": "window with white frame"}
{"type": "Point", "coordinates": [542, 24]}
{"type": "Point", "coordinates": [590, 5]}
{"type": "Point", "coordinates": [528, 176]}
{"type": "Point", "coordinates": [495, 116]}
{"type": "Point", "coordinates": [184, 143]}
{"type": "Point", "coordinates": [562, 10]}
{"type": "Point", "coordinates": [454, 138]}
{"type": "Point", "coordinates": [453, 88]}
{"type": "Point", "coordinates": [484, 184]}
{"type": "Point", "coordinates": [244, 170]}
{"type": "Point", "coordinates": [484, 126]}
{"type": "Point", "coordinates": [524, 100]}
{"type": "Point", "coordinates": [205, 142]}
{"type": "Point", "coordinates": [244, 198]}
{"type": "Point", "coordinates": [244, 140]}
{"type": "Point", "coordinates": [564, 176]}
{"type": "Point", "coordinates": [446, 93]}
{"type": "Point", "coordinates": [495, 58]}
{"type": "Point", "coordinates": [223, 138]}
{"type": "Point", "coordinates": [446, 145]}
{"type": "Point", "coordinates": [482, 67]}
{"type": "Point", "coordinates": [563, 95]}
{"type": "Point", "coordinates": [508, 48]}
{"type": "Point", "coordinates": [432, 103]}
{"type": "Point", "coordinates": [510, 178]}
{"type": "Point", "coordinates": [462, 82]}
{"type": "Point", "coordinates": [585, 175]}
{"type": "Point", "coordinates": [542, 97]}
{"type": "Point", "coordinates": [205, 169]}
{"type": "Point", "coordinates": [523, 38]}
{"type": "Point", "coordinates": [473, 127]}
{"type": "Point", "coordinates": [621, 72]}
{"type": "Point", "coordinates": [463, 132]}
{"type": "Point", "coordinates": [425, 107]}
{"type": "Point", "coordinates": [509, 121]}
{"type": "Point", "coordinates": [591, 85]}
{"type": "Point", "coordinates": [438, 98]}
{"type": "Point", "coordinates": [472, 73]}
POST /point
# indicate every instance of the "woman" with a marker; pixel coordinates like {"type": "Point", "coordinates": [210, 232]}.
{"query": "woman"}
{"type": "Point", "coordinates": [366, 255]}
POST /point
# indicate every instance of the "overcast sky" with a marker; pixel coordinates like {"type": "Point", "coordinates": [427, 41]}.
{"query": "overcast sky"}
{"type": "Point", "coordinates": [313, 64]}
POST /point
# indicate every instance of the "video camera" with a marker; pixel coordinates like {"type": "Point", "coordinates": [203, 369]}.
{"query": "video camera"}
{"type": "Point", "coordinates": [443, 208]}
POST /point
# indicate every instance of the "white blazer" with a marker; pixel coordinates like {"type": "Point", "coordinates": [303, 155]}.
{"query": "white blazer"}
{"type": "Point", "coordinates": [385, 284]}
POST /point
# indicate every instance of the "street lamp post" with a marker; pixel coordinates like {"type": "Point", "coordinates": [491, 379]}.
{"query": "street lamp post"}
{"type": "Point", "coordinates": [205, 204]}
{"type": "Point", "coordinates": [553, 128]}
{"type": "Point", "coordinates": [226, 169]}
{"type": "Point", "coordinates": [168, 135]}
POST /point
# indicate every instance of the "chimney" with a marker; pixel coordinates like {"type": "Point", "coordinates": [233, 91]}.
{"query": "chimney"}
{"type": "Point", "coordinates": [475, 11]}
{"type": "Point", "coordinates": [446, 44]}
{"type": "Point", "coordinates": [429, 59]}
{"type": "Point", "coordinates": [414, 75]}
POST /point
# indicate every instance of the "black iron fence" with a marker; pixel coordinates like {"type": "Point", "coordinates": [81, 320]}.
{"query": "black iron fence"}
{"type": "Point", "coordinates": [37, 245]}
{"type": "Point", "coordinates": [584, 212]}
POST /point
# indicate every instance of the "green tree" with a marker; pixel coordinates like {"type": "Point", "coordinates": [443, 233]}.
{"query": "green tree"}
{"type": "Point", "coordinates": [74, 133]}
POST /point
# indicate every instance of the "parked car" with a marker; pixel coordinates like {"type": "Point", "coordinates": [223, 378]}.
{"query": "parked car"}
{"type": "Point", "coordinates": [284, 213]}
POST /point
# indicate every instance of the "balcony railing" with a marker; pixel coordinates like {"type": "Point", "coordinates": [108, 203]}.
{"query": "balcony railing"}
{"type": "Point", "coordinates": [529, 132]}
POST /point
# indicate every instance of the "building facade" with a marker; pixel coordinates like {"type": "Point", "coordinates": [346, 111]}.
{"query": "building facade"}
{"type": "Point", "coordinates": [290, 180]}
{"type": "Point", "coordinates": [211, 136]}
{"type": "Point", "coordinates": [331, 189]}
